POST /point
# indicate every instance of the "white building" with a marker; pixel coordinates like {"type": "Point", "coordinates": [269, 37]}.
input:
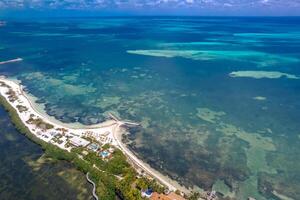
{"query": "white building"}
{"type": "Point", "coordinates": [78, 142]}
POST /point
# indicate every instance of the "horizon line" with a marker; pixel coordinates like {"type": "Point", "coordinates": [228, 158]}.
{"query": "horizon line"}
{"type": "Point", "coordinates": [148, 16]}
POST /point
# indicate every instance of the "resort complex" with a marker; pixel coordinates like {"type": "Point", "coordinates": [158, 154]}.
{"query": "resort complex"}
{"type": "Point", "coordinates": [142, 100]}
{"type": "Point", "coordinates": [99, 145]}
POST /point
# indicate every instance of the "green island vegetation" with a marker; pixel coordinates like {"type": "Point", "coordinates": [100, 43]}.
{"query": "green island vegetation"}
{"type": "Point", "coordinates": [56, 139]}
{"type": "Point", "coordinates": [39, 123]}
{"type": "Point", "coordinates": [22, 108]}
{"type": "Point", "coordinates": [12, 97]}
{"type": "Point", "coordinates": [112, 176]}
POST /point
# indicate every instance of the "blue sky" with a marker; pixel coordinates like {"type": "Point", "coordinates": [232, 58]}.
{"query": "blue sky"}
{"type": "Point", "coordinates": [152, 7]}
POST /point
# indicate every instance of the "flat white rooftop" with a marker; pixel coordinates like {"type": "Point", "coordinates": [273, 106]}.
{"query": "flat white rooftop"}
{"type": "Point", "coordinates": [79, 142]}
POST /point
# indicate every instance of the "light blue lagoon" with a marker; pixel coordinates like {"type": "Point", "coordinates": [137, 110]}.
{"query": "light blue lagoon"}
{"type": "Point", "coordinates": [218, 98]}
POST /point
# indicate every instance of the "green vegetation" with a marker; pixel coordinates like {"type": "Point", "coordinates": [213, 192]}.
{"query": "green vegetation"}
{"type": "Point", "coordinates": [144, 183]}
{"type": "Point", "coordinates": [12, 97]}
{"type": "Point", "coordinates": [105, 147]}
{"type": "Point", "coordinates": [3, 84]}
{"type": "Point", "coordinates": [57, 140]}
{"type": "Point", "coordinates": [194, 196]}
{"type": "Point", "coordinates": [22, 108]}
{"type": "Point", "coordinates": [40, 123]}
{"type": "Point", "coordinates": [125, 186]}
{"type": "Point", "coordinates": [112, 177]}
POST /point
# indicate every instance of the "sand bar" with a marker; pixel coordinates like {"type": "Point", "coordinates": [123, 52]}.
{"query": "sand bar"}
{"type": "Point", "coordinates": [262, 74]}
{"type": "Point", "coordinates": [11, 61]}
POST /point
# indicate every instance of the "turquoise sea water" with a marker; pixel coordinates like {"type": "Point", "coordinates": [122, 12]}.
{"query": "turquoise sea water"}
{"type": "Point", "coordinates": [218, 98]}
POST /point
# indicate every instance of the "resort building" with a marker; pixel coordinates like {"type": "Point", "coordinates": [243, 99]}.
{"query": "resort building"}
{"type": "Point", "coordinates": [171, 196]}
{"type": "Point", "coordinates": [54, 134]}
{"type": "Point", "coordinates": [147, 193]}
{"type": "Point", "coordinates": [211, 195]}
{"type": "Point", "coordinates": [93, 147]}
{"type": "Point", "coordinates": [102, 137]}
{"type": "Point", "coordinates": [78, 142]}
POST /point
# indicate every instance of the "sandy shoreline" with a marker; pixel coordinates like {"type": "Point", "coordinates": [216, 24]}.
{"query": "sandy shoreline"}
{"type": "Point", "coordinates": [40, 108]}
{"type": "Point", "coordinates": [78, 130]}
{"type": "Point", "coordinates": [173, 185]}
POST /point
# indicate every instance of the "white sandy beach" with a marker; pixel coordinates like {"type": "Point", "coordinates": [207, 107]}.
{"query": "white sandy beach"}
{"type": "Point", "coordinates": [109, 131]}
{"type": "Point", "coordinates": [165, 180]}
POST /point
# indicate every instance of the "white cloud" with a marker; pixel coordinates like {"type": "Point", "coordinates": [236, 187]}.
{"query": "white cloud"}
{"type": "Point", "coordinates": [112, 4]}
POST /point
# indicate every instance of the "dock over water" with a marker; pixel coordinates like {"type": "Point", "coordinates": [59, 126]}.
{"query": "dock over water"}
{"type": "Point", "coordinates": [128, 123]}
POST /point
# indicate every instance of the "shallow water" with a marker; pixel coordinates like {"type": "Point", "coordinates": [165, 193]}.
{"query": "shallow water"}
{"type": "Point", "coordinates": [201, 126]}
{"type": "Point", "coordinates": [25, 173]}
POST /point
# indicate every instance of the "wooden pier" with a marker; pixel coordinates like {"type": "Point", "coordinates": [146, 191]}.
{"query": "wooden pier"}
{"type": "Point", "coordinates": [126, 123]}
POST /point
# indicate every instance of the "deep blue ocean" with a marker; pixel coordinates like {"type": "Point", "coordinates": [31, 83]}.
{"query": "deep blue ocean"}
{"type": "Point", "coordinates": [218, 98]}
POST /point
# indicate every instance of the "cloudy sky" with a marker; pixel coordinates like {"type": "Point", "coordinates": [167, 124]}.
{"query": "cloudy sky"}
{"type": "Point", "coordinates": [155, 7]}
